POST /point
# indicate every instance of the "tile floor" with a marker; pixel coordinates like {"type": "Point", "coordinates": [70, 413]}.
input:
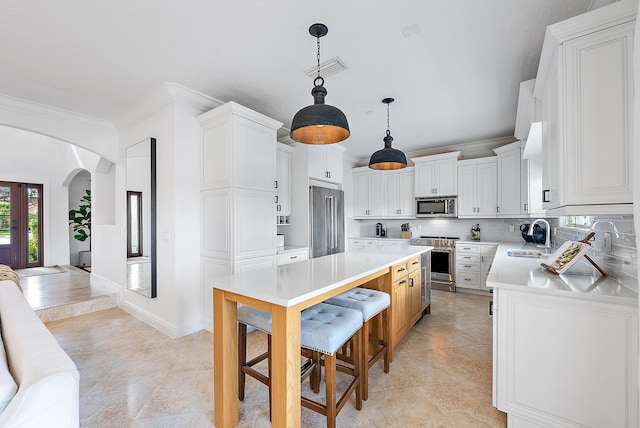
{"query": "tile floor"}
{"type": "Point", "coordinates": [65, 294]}
{"type": "Point", "coordinates": [132, 375]}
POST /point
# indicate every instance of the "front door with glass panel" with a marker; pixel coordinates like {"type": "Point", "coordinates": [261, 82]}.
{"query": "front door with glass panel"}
{"type": "Point", "coordinates": [20, 224]}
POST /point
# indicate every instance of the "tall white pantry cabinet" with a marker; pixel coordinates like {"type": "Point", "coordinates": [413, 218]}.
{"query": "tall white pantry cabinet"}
{"type": "Point", "coordinates": [238, 189]}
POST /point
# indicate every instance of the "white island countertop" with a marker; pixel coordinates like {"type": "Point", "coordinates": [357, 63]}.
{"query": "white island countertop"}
{"type": "Point", "coordinates": [297, 282]}
{"type": "Point", "coordinates": [582, 281]}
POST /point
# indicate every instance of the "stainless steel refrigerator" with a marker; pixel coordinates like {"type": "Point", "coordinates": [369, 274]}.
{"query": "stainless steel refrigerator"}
{"type": "Point", "coordinates": [327, 221]}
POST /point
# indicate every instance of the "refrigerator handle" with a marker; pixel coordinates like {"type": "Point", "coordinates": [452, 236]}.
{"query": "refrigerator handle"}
{"type": "Point", "coordinates": [334, 217]}
{"type": "Point", "coordinates": [327, 222]}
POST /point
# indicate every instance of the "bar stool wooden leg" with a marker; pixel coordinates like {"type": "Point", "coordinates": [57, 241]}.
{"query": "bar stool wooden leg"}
{"type": "Point", "coordinates": [242, 356]}
{"type": "Point", "coordinates": [364, 376]}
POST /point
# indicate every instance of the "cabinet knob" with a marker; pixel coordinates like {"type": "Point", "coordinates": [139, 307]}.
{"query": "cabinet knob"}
{"type": "Point", "coordinates": [526, 207]}
{"type": "Point", "coordinates": [546, 195]}
{"type": "Point", "coordinates": [401, 269]}
{"type": "Point", "coordinates": [276, 199]}
{"type": "Point", "coordinates": [275, 184]}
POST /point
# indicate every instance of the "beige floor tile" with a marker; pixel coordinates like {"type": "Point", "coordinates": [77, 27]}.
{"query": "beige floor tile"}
{"type": "Point", "coordinates": [133, 375]}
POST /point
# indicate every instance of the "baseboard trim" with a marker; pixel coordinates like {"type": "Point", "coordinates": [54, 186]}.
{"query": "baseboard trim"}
{"type": "Point", "coordinates": [171, 330]}
{"type": "Point", "coordinates": [94, 278]}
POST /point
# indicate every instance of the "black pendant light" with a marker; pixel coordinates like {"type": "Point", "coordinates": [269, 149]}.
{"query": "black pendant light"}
{"type": "Point", "coordinates": [388, 158]}
{"type": "Point", "coordinates": [319, 123]}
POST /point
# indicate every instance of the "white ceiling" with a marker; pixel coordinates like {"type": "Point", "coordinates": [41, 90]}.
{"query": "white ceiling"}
{"type": "Point", "coordinates": [456, 80]}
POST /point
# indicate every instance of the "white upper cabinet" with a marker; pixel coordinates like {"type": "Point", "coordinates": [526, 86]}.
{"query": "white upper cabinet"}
{"type": "Point", "coordinates": [477, 187]}
{"type": "Point", "coordinates": [238, 149]}
{"type": "Point", "coordinates": [585, 82]}
{"type": "Point", "coordinates": [398, 193]}
{"type": "Point", "coordinates": [238, 183]}
{"type": "Point", "coordinates": [509, 165]}
{"type": "Point", "coordinates": [436, 175]}
{"type": "Point", "coordinates": [325, 163]}
{"type": "Point", "coordinates": [283, 205]}
{"type": "Point", "coordinates": [368, 193]}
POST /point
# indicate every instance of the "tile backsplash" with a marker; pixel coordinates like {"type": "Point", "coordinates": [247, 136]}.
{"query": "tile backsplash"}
{"type": "Point", "coordinates": [614, 246]}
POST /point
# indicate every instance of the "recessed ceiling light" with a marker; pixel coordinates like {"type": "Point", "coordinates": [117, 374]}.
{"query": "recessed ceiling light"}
{"type": "Point", "coordinates": [411, 30]}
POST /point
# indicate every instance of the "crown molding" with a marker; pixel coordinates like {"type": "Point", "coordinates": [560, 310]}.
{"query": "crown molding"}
{"type": "Point", "coordinates": [598, 19]}
{"type": "Point", "coordinates": [166, 95]}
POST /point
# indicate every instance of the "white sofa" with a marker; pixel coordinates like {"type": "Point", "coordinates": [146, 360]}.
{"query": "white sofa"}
{"type": "Point", "coordinates": [47, 380]}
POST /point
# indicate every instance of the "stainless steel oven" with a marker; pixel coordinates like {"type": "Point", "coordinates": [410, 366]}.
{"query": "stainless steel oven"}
{"type": "Point", "coordinates": [443, 259]}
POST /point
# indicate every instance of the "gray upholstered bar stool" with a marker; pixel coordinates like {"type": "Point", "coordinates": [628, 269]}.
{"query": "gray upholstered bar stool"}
{"type": "Point", "coordinates": [324, 329]}
{"type": "Point", "coordinates": [370, 303]}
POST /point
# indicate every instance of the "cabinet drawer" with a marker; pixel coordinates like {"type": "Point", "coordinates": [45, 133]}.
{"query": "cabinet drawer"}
{"type": "Point", "coordinates": [468, 279]}
{"type": "Point", "coordinates": [467, 258]}
{"type": "Point", "coordinates": [291, 257]}
{"type": "Point", "coordinates": [468, 266]}
{"type": "Point", "coordinates": [413, 263]}
{"type": "Point", "coordinates": [398, 271]}
{"type": "Point", "coordinates": [468, 249]}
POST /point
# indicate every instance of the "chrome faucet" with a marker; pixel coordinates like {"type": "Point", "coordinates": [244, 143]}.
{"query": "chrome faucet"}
{"type": "Point", "coordinates": [547, 241]}
{"type": "Point", "coordinates": [615, 229]}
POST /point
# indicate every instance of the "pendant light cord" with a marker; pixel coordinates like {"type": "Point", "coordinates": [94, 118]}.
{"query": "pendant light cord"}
{"type": "Point", "coordinates": [388, 126]}
{"type": "Point", "coordinates": [318, 81]}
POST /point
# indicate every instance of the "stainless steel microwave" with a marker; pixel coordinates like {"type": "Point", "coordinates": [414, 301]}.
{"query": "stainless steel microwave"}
{"type": "Point", "coordinates": [437, 207]}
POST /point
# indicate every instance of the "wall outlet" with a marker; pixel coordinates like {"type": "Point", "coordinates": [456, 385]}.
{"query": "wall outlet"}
{"type": "Point", "coordinates": [555, 231]}
{"type": "Point", "coordinates": [419, 226]}
{"type": "Point", "coordinates": [512, 228]}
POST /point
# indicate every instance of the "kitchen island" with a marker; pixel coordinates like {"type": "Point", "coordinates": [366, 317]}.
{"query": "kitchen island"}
{"type": "Point", "coordinates": [565, 347]}
{"type": "Point", "coordinates": [285, 291]}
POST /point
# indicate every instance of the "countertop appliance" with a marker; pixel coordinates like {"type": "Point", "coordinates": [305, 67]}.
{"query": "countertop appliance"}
{"type": "Point", "coordinates": [326, 208]}
{"type": "Point", "coordinates": [443, 260]}
{"type": "Point", "coordinates": [437, 207]}
{"type": "Point", "coordinates": [381, 232]}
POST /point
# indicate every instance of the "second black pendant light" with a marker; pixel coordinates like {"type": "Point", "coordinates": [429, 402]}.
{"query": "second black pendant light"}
{"type": "Point", "coordinates": [388, 158]}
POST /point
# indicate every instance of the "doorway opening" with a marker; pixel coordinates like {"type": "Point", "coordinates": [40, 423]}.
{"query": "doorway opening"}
{"type": "Point", "coordinates": [21, 224]}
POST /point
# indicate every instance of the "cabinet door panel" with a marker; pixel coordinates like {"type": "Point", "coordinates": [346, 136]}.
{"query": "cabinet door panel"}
{"type": "Point", "coordinates": [486, 189]}
{"type": "Point", "coordinates": [509, 200]}
{"type": "Point", "coordinates": [599, 86]}
{"type": "Point", "coordinates": [447, 177]}
{"type": "Point", "coordinates": [361, 193]}
{"type": "Point", "coordinates": [317, 160]}
{"type": "Point", "coordinates": [391, 194]}
{"type": "Point", "coordinates": [284, 183]}
{"type": "Point", "coordinates": [254, 226]}
{"type": "Point", "coordinates": [255, 163]}
{"type": "Point", "coordinates": [406, 194]}
{"type": "Point", "coordinates": [376, 193]}
{"type": "Point", "coordinates": [415, 297]}
{"type": "Point", "coordinates": [466, 190]}
{"type": "Point", "coordinates": [424, 174]}
{"type": "Point", "coordinates": [334, 164]}
{"type": "Point", "coordinates": [399, 303]}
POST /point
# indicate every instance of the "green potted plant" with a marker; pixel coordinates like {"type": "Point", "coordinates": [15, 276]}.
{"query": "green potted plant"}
{"type": "Point", "coordinates": [80, 220]}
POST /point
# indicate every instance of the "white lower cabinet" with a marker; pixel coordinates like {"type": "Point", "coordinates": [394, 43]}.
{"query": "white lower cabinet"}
{"type": "Point", "coordinates": [473, 261]}
{"type": "Point", "coordinates": [564, 360]}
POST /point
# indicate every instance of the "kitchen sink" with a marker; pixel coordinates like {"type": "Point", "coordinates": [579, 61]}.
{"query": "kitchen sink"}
{"type": "Point", "coordinates": [525, 253]}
